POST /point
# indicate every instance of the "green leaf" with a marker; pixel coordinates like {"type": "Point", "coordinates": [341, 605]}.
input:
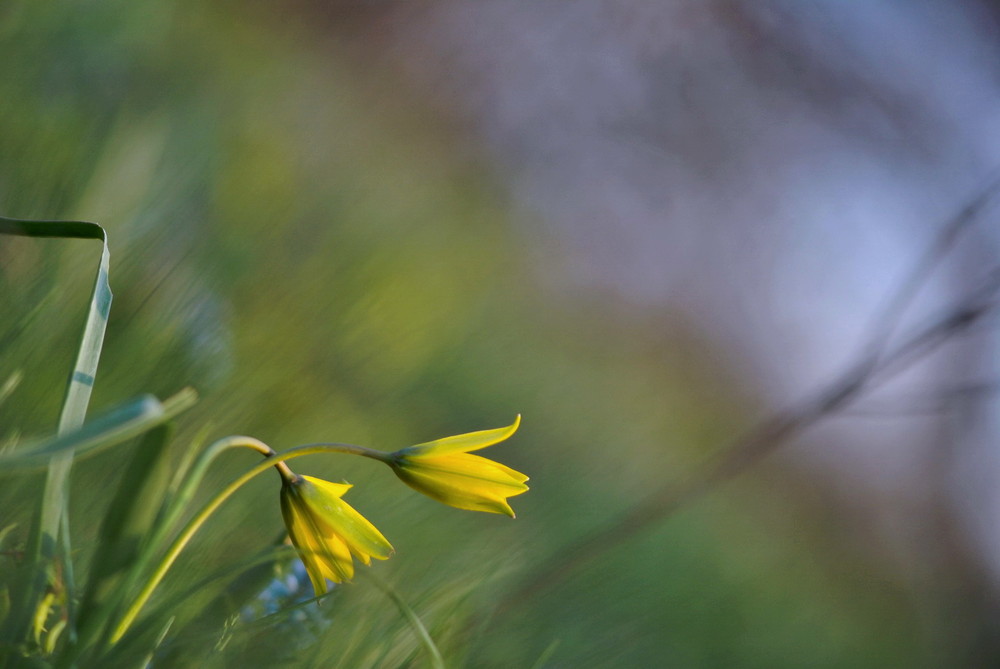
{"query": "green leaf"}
{"type": "Point", "coordinates": [110, 429]}
{"type": "Point", "coordinates": [52, 521]}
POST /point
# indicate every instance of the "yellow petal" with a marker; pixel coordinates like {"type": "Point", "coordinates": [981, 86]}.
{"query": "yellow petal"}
{"type": "Point", "coordinates": [328, 487]}
{"type": "Point", "coordinates": [299, 534]}
{"type": "Point", "coordinates": [478, 469]}
{"type": "Point", "coordinates": [462, 443]}
{"type": "Point", "coordinates": [328, 550]}
{"type": "Point", "coordinates": [333, 516]}
{"type": "Point", "coordinates": [324, 552]}
{"type": "Point", "coordinates": [454, 495]}
{"type": "Point", "coordinates": [464, 481]}
{"type": "Point", "coordinates": [335, 558]}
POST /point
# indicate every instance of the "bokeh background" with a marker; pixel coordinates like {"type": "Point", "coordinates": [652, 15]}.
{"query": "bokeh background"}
{"type": "Point", "coordinates": [643, 225]}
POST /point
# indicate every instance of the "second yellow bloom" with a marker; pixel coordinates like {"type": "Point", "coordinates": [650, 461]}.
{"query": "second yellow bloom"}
{"type": "Point", "coordinates": [446, 471]}
{"type": "Point", "coordinates": [327, 531]}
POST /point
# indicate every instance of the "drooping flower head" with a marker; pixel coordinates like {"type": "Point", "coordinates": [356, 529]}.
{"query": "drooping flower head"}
{"type": "Point", "coordinates": [327, 531]}
{"type": "Point", "coordinates": [446, 471]}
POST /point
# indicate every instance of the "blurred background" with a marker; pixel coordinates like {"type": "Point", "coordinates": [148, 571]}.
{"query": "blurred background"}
{"type": "Point", "coordinates": [645, 226]}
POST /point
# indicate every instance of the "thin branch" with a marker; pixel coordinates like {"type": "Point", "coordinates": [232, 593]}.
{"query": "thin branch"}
{"type": "Point", "coordinates": [885, 324]}
{"type": "Point", "coordinates": [924, 404]}
{"type": "Point", "coordinates": [875, 366]}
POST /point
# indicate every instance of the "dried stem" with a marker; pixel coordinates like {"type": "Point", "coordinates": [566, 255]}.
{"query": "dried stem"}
{"type": "Point", "coordinates": [876, 364]}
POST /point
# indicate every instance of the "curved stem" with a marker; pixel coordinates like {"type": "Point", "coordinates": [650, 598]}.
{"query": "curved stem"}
{"type": "Point", "coordinates": [180, 501]}
{"type": "Point", "coordinates": [276, 460]}
{"type": "Point", "coordinates": [197, 473]}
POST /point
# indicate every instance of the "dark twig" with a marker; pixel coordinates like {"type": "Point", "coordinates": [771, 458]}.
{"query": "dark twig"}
{"type": "Point", "coordinates": [885, 324]}
{"type": "Point", "coordinates": [926, 404]}
{"type": "Point", "coordinates": [875, 365]}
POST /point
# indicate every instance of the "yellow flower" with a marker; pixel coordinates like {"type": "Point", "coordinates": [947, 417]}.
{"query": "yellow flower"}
{"type": "Point", "coordinates": [445, 471]}
{"type": "Point", "coordinates": [326, 530]}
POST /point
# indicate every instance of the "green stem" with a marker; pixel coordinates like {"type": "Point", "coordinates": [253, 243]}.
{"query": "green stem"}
{"type": "Point", "coordinates": [165, 525]}
{"type": "Point", "coordinates": [195, 476]}
{"type": "Point", "coordinates": [180, 501]}
{"type": "Point", "coordinates": [276, 460]}
{"type": "Point", "coordinates": [437, 661]}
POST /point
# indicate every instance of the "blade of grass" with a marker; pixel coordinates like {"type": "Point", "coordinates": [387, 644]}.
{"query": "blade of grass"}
{"type": "Point", "coordinates": [148, 660]}
{"type": "Point", "coordinates": [81, 381]}
{"type": "Point", "coordinates": [10, 385]}
{"type": "Point", "coordinates": [546, 654]}
{"type": "Point", "coordinates": [437, 662]}
{"type": "Point", "coordinates": [52, 522]}
{"type": "Point", "coordinates": [114, 427]}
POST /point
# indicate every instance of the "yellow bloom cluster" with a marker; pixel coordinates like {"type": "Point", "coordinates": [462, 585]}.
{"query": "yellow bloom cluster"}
{"type": "Point", "coordinates": [329, 534]}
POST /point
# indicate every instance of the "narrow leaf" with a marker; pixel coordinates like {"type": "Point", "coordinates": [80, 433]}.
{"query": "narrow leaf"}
{"type": "Point", "coordinates": [52, 524]}
{"type": "Point", "coordinates": [114, 427]}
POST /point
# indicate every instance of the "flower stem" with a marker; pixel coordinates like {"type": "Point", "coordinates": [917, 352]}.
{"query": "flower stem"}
{"type": "Point", "coordinates": [275, 460]}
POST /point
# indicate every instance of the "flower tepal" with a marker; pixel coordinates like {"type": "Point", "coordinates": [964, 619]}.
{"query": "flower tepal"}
{"type": "Point", "coordinates": [445, 470]}
{"type": "Point", "coordinates": [326, 531]}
